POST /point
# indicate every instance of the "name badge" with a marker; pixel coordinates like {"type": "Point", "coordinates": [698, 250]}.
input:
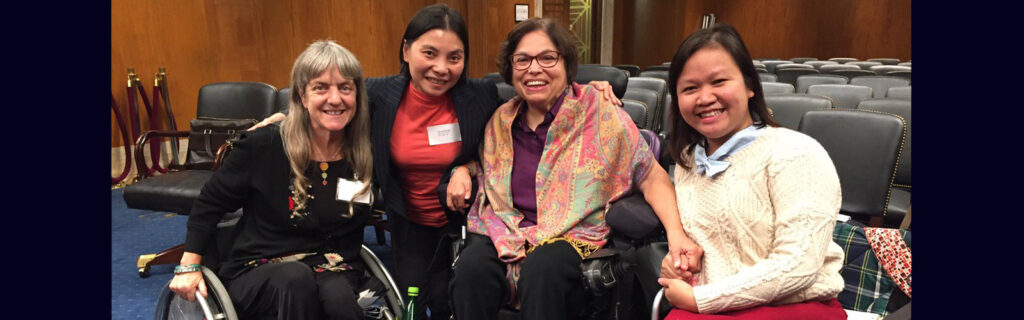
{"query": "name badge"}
{"type": "Point", "coordinates": [443, 133]}
{"type": "Point", "coordinates": [347, 189]}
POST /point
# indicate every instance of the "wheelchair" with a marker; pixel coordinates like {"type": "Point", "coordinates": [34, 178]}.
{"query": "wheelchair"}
{"type": "Point", "coordinates": [621, 279]}
{"type": "Point", "coordinates": [379, 295]}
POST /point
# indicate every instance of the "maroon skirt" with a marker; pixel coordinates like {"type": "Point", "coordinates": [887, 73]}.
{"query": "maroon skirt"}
{"type": "Point", "coordinates": [827, 310]}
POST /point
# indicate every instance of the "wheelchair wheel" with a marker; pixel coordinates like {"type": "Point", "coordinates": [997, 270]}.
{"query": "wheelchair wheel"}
{"type": "Point", "coordinates": [170, 306]}
{"type": "Point", "coordinates": [378, 296]}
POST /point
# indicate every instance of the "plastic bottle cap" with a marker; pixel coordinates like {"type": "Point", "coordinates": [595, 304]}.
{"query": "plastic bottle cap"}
{"type": "Point", "coordinates": [414, 291]}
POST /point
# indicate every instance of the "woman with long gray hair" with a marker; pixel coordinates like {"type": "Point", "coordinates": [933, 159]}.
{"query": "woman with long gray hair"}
{"type": "Point", "coordinates": [303, 187]}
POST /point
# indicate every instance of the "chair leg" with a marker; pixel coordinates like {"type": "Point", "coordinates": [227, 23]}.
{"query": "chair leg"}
{"type": "Point", "coordinates": [380, 234]}
{"type": "Point", "coordinates": [169, 256]}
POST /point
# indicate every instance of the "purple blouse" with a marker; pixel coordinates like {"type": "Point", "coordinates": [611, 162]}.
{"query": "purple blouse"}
{"type": "Point", "coordinates": [527, 147]}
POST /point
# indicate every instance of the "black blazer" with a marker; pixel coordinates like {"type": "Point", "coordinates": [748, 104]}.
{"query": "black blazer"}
{"type": "Point", "coordinates": [475, 100]}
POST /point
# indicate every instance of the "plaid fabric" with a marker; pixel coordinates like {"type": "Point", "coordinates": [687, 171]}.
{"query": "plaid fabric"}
{"type": "Point", "coordinates": [868, 287]}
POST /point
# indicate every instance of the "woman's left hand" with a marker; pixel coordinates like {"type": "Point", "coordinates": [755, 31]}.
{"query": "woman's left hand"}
{"type": "Point", "coordinates": [459, 189]}
{"type": "Point", "coordinates": [679, 294]}
{"type": "Point", "coordinates": [685, 253]}
{"type": "Point", "coordinates": [606, 88]}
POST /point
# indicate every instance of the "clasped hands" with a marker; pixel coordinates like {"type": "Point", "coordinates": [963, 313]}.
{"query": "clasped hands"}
{"type": "Point", "coordinates": [677, 271]}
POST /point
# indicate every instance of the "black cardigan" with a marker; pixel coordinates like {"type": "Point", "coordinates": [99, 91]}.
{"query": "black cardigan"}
{"type": "Point", "coordinates": [255, 177]}
{"type": "Point", "coordinates": [475, 100]}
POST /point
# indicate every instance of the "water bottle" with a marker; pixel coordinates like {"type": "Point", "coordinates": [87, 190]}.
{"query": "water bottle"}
{"type": "Point", "coordinates": [410, 307]}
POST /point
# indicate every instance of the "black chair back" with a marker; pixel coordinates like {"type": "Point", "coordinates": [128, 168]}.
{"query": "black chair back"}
{"type": "Point", "coordinates": [282, 98]}
{"type": "Point", "coordinates": [770, 88]}
{"type": "Point", "coordinates": [845, 96]}
{"type": "Point", "coordinates": [236, 100]}
{"type": "Point", "coordinates": [505, 91]}
{"type": "Point", "coordinates": [660, 74]}
{"type": "Point", "coordinates": [807, 80]}
{"type": "Point", "coordinates": [789, 75]}
{"type": "Point", "coordinates": [494, 77]}
{"type": "Point", "coordinates": [597, 72]}
{"type": "Point", "coordinates": [637, 111]}
{"type": "Point", "coordinates": [634, 70]}
{"type": "Point", "coordinates": [880, 84]}
{"type": "Point", "coordinates": [788, 109]}
{"type": "Point", "coordinates": [901, 108]}
{"type": "Point", "coordinates": [864, 147]}
{"type": "Point", "coordinates": [651, 99]}
{"type": "Point", "coordinates": [899, 93]}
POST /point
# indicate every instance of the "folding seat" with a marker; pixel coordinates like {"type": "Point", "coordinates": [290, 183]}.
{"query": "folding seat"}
{"type": "Point", "coordinates": [886, 61]}
{"type": "Point", "coordinates": [852, 73]}
{"type": "Point", "coordinates": [844, 95]}
{"type": "Point", "coordinates": [660, 74]}
{"type": "Point", "coordinates": [596, 72]}
{"type": "Point", "coordinates": [771, 64]}
{"type": "Point", "coordinates": [650, 99]}
{"type": "Point", "coordinates": [758, 64]}
{"type": "Point", "coordinates": [885, 69]}
{"type": "Point", "coordinates": [793, 65]}
{"type": "Point", "coordinates": [899, 203]}
{"type": "Point", "coordinates": [494, 77]}
{"type": "Point", "coordinates": [901, 74]}
{"type": "Point", "coordinates": [762, 69]}
{"type": "Point", "coordinates": [802, 59]}
{"type": "Point", "coordinates": [789, 75]}
{"type": "Point", "coordinates": [770, 88]}
{"type": "Point", "coordinates": [656, 67]}
{"type": "Point", "coordinates": [767, 77]}
{"type": "Point", "coordinates": [817, 64]}
{"type": "Point", "coordinates": [789, 108]}
{"type": "Point", "coordinates": [898, 93]}
{"type": "Point", "coordinates": [842, 60]}
{"type": "Point", "coordinates": [633, 69]}
{"type": "Point", "coordinates": [656, 111]}
{"type": "Point", "coordinates": [637, 111]}
{"type": "Point", "coordinates": [864, 147]}
{"type": "Point", "coordinates": [880, 84]}
{"type": "Point", "coordinates": [866, 65]}
{"type": "Point", "coordinates": [176, 190]}
{"type": "Point", "coordinates": [836, 67]}
{"type": "Point", "coordinates": [807, 80]}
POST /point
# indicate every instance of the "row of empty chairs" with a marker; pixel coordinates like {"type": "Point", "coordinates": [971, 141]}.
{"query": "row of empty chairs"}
{"type": "Point", "coordinates": [845, 95]}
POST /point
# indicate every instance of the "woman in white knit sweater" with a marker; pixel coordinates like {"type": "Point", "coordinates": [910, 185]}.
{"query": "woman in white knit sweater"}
{"type": "Point", "coordinates": [760, 199]}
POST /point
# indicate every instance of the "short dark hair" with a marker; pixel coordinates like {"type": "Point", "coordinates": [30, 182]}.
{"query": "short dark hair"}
{"type": "Point", "coordinates": [564, 41]}
{"type": "Point", "coordinates": [436, 16]}
{"type": "Point", "coordinates": [683, 137]}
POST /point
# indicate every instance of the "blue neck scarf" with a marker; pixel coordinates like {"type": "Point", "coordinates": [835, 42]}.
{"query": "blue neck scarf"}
{"type": "Point", "coordinates": [714, 164]}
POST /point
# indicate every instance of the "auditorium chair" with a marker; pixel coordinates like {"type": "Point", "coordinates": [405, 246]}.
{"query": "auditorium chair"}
{"type": "Point", "coordinates": [505, 92]}
{"type": "Point", "coordinates": [650, 98]}
{"type": "Point", "coordinates": [767, 77]}
{"type": "Point", "coordinates": [817, 64]}
{"type": "Point", "coordinates": [658, 85]}
{"type": "Point", "coordinates": [902, 74]}
{"type": "Point", "coordinates": [634, 70]}
{"type": "Point", "coordinates": [788, 109]}
{"type": "Point", "coordinates": [660, 74]}
{"type": "Point", "coordinates": [864, 147]}
{"type": "Point", "coordinates": [846, 96]}
{"type": "Point", "coordinates": [802, 59]}
{"type": "Point", "coordinates": [282, 99]}
{"type": "Point", "coordinates": [597, 72]}
{"type": "Point", "coordinates": [807, 80]}
{"type": "Point", "coordinates": [898, 93]}
{"type": "Point", "coordinates": [879, 84]}
{"type": "Point", "coordinates": [853, 73]}
{"type": "Point", "coordinates": [886, 69]}
{"type": "Point", "coordinates": [770, 88]}
{"type": "Point", "coordinates": [637, 110]}
{"type": "Point", "coordinates": [835, 67]}
{"type": "Point", "coordinates": [864, 65]}
{"type": "Point", "coordinates": [886, 61]}
{"type": "Point", "coordinates": [771, 64]}
{"type": "Point", "coordinates": [899, 204]}
{"type": "Point", "coordinates": [905, 64]}
{"type": "Point", "coordinates": [175, 191]}
{"type": "Point", "coordinates": [494, 77]}
{"type": "Point", "coordinates": [793, 65]}
{"type": "Point", "coordinates": [842, 60]}
{"type": "Point", "coordinates": [657, 67]}
{"type": "Point", "coordinates": [789, 75]}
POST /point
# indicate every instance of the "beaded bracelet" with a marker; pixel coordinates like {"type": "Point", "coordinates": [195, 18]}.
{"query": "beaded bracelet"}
{"type": "Point", "coordinates": [187, 268]}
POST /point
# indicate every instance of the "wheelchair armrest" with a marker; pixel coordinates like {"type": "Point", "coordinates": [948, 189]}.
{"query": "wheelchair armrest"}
{"type": "Point", "coordinates": [139, 155]}
{"type": "Point", "coordinates": [633, 218]}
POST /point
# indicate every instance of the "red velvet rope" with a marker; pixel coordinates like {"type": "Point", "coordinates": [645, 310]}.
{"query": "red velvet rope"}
{"type": "Point", "coordinates": [154, 144]}
{"type": "Point", "coordinates": [126, 140]}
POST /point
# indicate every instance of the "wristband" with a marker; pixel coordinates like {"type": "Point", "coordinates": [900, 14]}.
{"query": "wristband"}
{"type": "Point", "coordinates": [187, 268]}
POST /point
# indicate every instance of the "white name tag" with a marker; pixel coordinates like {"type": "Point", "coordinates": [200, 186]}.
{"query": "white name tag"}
{"type": "Point", "coordinates": [348, 189]}
{"type": "Point", "coordinates": [443, 133]}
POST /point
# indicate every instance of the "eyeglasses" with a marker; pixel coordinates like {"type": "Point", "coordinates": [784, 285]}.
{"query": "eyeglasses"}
{"type": "Point", "coordinates": [546, 59]}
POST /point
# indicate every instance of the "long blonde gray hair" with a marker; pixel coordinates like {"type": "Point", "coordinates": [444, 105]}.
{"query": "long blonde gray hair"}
{"type": "Point", "coordinates": [296, 128]}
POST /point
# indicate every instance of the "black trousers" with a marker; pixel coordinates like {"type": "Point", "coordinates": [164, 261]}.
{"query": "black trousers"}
{"type": "Point", "coordinates": [423, 259]}
{"type": "Point", "coordinates": [291, 290]}
{"type": "Point", "coordinates": [550, 282]}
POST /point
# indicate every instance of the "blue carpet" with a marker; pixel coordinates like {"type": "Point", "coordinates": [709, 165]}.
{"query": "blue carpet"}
{"type": "Point", "coordinates": [137, 232]}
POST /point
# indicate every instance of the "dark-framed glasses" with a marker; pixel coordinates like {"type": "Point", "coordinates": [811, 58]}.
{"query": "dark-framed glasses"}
{"type": "Point", "coordinates": [546, 59]}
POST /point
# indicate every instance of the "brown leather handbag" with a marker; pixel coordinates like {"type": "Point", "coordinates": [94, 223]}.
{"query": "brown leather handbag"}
{"type": "Point", "coordinates": [208, 134]}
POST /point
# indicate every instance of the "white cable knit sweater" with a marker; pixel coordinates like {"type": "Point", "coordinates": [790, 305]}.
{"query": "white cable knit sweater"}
{"type": "Point", "coordinates": [765, 224]}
